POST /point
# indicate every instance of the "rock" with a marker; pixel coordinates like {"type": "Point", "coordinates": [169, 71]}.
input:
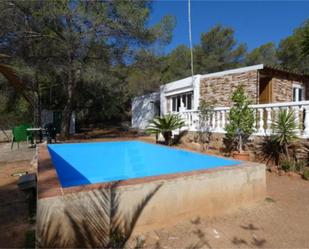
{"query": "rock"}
{"type": "Point", "coordinates": [193, 146]}
{"type": "Point", "coordinates": [154, 235]}
{"type": "Point", "coordinates": [189, 138]}
{"type": "Point", "coordinates": [172, 238]}
{"type": "Point", "coordinates": [196, 146]}
{"type": "Point", "coordinates": [274, 169]}
{"type": "Point", "coordinates": [281, 172]}
{"type": "Point", "coordinates": [294, 174]}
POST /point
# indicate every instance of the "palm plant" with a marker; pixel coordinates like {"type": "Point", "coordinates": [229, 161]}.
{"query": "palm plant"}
{"type": "Point", "coordinates": [284, 131]}
{"type": "Point", "coordinates": [13, 79]}
{"type": "Point", "coordinates": [165, 125]}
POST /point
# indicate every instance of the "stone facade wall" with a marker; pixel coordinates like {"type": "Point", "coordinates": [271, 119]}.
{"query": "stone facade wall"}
{"type": "Point", "coordinates": [282, 84]}
{"type": "Point", "coordinates": [283, 88]}
{"type": "Point", "coordinates": [218, 90]}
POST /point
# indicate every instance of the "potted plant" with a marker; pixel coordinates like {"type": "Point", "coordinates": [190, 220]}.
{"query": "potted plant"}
{"type": "Point", "coordinates": [165, 125]}
{"type": "Point", "coordinates": [240, 125]}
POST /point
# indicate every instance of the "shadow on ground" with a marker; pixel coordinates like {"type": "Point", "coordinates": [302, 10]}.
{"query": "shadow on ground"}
{"type": "Point", "coordinates": [254, 240]}
{"type": "Point", "coordinates": [15, 212]}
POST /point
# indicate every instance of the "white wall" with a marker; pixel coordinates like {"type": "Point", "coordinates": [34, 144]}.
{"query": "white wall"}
{"type": "Point", "coordinates": [143, 109]}
{"type": "Point", "coordinates": [181, 86]}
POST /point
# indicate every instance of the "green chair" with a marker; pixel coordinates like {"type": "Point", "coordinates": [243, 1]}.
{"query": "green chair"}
{"type": "Point", "coordinates": [20, 134]}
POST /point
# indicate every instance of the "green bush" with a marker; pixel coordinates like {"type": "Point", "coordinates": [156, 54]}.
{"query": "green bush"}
{"type": "Point", "coordinates": [287, 165]}
{"type": "Point", "coordinates": [291, 165]}
{"type": "Point", "coordinates": [306, 174]}
{"type": "Point", "coordinates": [300, 166]}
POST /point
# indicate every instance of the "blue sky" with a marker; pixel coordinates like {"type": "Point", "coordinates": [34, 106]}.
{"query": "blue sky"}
{"type": "Point", "coordinates": [254, 22]}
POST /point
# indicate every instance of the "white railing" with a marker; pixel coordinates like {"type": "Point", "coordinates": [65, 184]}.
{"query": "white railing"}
{"type": "Point", "coordinates": [265, 115]}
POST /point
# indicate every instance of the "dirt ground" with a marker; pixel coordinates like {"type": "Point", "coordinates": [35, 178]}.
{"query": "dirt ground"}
{"type": "Point", "coordinates": [16, 154]}
{"type": "Point", "coordinates": [281, 221]}
{"type": "Point", "coordinates": [14, 211]}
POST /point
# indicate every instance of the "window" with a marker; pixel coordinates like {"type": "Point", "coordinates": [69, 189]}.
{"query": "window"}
{"type": "Point", "coordinates": [189, 102]}
{"type": "Point", "coordinates": [298, 92]}
{"type": "Point", "coordinates": [185, 98]}
{"type": "Point", "coordinates": [174, 100]}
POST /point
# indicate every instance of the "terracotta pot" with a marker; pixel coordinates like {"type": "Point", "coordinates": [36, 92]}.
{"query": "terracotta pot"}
{"type": "Point", "coordinates": [243, 156]}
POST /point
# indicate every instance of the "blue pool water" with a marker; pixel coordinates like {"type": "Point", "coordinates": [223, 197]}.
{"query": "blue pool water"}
{"type": "Point", "coordinates": [87, 163]}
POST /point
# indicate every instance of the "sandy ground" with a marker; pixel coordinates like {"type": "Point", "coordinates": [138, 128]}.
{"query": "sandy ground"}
{"type": "Point", "coordinates": [14, 221]}
{"type": "Point", "coordinates": [16, 154]}
{"type": "Point", "coordinates": [281, 221]}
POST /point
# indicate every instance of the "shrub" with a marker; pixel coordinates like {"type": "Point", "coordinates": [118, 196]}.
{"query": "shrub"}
{"type": "Point", "coordinates": [269, 151]}
{"type": "Point", "coordinates": [300, 166]}
{"type": "Point", "coordinates": [292, 165]}
{"type": "Point", "coordinates": [241, 119]}
{"type": "Point", "coordinates": [306, 174]}
{"type": "Point", "coordinates": [204, 134]}
{"type": "Point", "coordinates": [287, 165]}
{"type": "Point", "coordinates": [284, 131]}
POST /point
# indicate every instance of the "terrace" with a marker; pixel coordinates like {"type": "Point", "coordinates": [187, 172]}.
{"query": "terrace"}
{"type": "Point", "coordinates": [265, 116]}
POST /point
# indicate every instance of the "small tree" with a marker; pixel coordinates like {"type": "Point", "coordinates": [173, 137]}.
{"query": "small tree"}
{"type": "Point", "coordinates": [241, 119]}
{"type": "Point", "coordinates": [206, 110]}
{"type": "Point", "coordinates": [165, 125]}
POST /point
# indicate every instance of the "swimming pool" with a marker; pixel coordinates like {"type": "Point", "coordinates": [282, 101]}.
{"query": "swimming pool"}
{"type": "Point", "coordinates": [88, 163]}
{"type": "Point", "coordinates": [96, 186]}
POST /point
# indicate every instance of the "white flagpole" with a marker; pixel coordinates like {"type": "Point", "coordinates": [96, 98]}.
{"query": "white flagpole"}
{"type": "Point", "coordinates": [190, 38]}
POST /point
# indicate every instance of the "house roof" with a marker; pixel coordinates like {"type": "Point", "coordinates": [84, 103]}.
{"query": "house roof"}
{"type": "Point", "coordinates": [187, 83]}
{"type": "Point", "coordinates": [285, 71]}
{"type": "Point", "coordinates": [255, 67]}
{"type": "Point", "coordinates": [152, 95]}
{"type": "Point", "coordinates": [265, 67]}
{"type": "Point", "coordinates": [234, 71]}
{"type": "Point", "coordinates": [180, 84]}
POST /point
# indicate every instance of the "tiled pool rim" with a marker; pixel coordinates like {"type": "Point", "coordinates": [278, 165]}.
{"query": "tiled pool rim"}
{"type": "Point", "coordinates": [49, 184]}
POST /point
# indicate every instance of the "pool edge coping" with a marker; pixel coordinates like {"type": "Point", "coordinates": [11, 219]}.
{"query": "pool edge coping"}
{"type": "Point", "coordinates": [50, 186]}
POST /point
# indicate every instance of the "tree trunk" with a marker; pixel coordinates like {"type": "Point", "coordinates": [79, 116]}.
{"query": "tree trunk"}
{"type": "Point", "coordinates": [68, 109]}
{"type": "Point", "coordinates": [167, 137]}
{"type": "Point", "coordinates": [286, 148]}
{"type": "Point", "coordinates": [66, 119]}
{"type": "Point", "coordinates": [37, 107]}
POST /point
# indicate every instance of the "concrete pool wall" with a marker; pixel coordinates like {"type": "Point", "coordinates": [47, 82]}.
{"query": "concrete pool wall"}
{"type": "Point", "coordinates": [84, 216]}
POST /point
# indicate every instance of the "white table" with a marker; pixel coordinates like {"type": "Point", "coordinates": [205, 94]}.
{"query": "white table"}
{"type": "Point", "coordinates": [36, 130]}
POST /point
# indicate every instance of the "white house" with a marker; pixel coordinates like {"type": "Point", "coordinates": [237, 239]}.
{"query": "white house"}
{"type": "Point", "coordinates": [269, 89]}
